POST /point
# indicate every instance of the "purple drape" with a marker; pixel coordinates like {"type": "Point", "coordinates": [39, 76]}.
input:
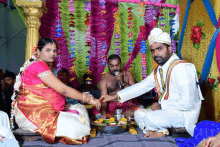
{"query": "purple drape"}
{"type": "Point", "coordinates": [47, 29]}
{"type": "Point", "coordinates": [96, 38]}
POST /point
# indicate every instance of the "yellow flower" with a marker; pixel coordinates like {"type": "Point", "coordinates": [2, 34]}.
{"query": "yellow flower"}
{"type": "Point", "coordinates": [101, 120]}
{"type": "Point", "coordinates": [123, 119]}
{"type": "Point", "coordinates": [112, 119]}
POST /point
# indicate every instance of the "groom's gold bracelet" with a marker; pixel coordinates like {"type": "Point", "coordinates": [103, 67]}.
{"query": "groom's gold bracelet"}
{"type": "Point", "coordinates": [119, 98]}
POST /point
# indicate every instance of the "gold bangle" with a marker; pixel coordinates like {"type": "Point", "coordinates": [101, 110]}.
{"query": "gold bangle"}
{"type": "Point", "coordinates": [119, 98]}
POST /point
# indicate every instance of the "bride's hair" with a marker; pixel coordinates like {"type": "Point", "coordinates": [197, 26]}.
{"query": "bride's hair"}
{"type": "Point", "coordinates": [44, 41]}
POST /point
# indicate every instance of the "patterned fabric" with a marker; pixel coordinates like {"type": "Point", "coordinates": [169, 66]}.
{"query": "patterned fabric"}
{"type": "Point", "coordinates": [161, 75]}
{"type": "Point", "coordinates": [39, 107]}
{"type": "Point", "coordinates": [203, 130]}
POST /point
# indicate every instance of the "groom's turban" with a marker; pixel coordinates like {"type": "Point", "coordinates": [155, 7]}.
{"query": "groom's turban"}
{"type": "Point", "coordinates": [158, 35]}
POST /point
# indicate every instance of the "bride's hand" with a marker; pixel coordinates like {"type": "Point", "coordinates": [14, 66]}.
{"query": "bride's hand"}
{"type": "Point", "coordinates": [96, 102]}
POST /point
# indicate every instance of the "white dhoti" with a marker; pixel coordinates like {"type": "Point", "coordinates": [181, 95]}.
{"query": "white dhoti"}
{"type": "Point", "coordinates": [69, 124]}
{"type": "Point", "coordinates": [5, 132]}
{"type": "Point", "coordinates": [159, 120]}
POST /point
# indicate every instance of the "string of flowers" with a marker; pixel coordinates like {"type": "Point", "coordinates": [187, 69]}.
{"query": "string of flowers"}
{"type": "Point", "coordinates": [87, 8]}
{"type": "Point", "coordinates": [130, 26]}
{"type": "Point", "coordinates": [58, 34]}
{"type": "Point", "coordinates": [162, 19]}
{"type": "Point", "coordinates": [71, 37]}
{"type": "Point", "coordinates": [130, 35]}
{"type": "Point", "coordinates": [171, 23]}
{"type": "Point", "coordinates": [143, 46]}
{"type": "Point", "coordinates": [116, 16]}
{"type": "Point", "coordinates": [103, 42]}
{"type": "Point", "coordinates": [18, 83]}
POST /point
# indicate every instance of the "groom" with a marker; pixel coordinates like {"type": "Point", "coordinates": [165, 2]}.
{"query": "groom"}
{"type": "Point", "coordinates": [179, 94]}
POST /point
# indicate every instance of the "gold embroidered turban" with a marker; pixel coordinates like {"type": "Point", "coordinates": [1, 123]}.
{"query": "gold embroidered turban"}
{"type": "Point", "coordinates": [158, 35]}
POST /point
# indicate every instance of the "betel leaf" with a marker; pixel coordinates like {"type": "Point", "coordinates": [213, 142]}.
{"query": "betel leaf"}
{"type": "Point", "coordinates": [203, 35]}
{"type": "Point", "coordinates": [197, 46]}
{"type": "Point", "coordinates": [201, 24]}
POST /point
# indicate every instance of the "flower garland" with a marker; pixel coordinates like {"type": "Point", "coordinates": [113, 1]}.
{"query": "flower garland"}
{"type": "Point", "coordinates": [116, 16]}
{"type": "Point", "coordinates": [17, 85]}
{"type": "Point", "coordinates": [103, 42]}
{"type": "Point", "coordinates": [87, 8]}
{"type": "Point", "coordinates": [171, 23]}
{"type": "Point", "coordinates": [130, 35]}
{"type": "Point", "coordinates": [58, 34]}
{"type": "Point", "coordinates": [143, 43]}
{"type": "Point", "coordinates": [71, 37]}
{"type": "Point", "coordinates": [162, 19]}
{"type": "Point", "coordinates": [197, 35]}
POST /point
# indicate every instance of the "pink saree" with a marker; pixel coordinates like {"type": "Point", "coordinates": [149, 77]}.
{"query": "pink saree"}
{"type": "Point", "coordinates": [42, 105]}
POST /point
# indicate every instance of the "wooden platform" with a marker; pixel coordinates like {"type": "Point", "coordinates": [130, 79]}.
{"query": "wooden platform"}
{"type": "Point", "coordinates": [26, 135]}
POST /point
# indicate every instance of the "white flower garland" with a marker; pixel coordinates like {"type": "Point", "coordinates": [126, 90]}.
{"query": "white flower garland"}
{"type": "Point", "coordinates": [16, 88]}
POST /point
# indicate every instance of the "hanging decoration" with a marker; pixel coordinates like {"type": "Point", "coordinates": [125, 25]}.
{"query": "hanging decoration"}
{"type": "Point", "coordinates": [130, 33]}
{"type": "Point", "coordinates": [103, 25]}
{"type": "Point", "coordinates": [87, 8]}
{"type": "Point", "coordinates": [130, 36]}
{"type": "Point", "coordinates": [197, 35]}
{"type": "Point", "coordinates": [143, 47]}
{"type": "Point", "coordinates": [72, 38]}
{"type": "Point", "coordinates": [116, 30]}
{"type": "Point", "coordinates": [173, 42]}
{"type": "Point", "coordinates": [162, 19]}
{"type": "Point", "coordinates": [58, 34]}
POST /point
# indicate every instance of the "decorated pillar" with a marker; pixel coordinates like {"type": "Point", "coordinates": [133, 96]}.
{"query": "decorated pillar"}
{"type": "Point", "coordinates": [33, 11]}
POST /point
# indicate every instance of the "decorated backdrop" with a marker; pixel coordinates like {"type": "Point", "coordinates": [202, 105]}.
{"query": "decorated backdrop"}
{"type": "Point", "coordinates": [88, 31]}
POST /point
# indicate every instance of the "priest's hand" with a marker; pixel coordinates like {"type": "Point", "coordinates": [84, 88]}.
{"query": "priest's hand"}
{"type": "Point", "coordinates": [107, 98]}
{"type": "Point", "coordinates": [104, 116]}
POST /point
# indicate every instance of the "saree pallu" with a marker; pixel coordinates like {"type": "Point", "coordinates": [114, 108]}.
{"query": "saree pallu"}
{"type": "Point", "coordinates": [41, 106]}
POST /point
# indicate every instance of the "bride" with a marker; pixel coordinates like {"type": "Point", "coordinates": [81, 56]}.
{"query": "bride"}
{"type": "Point", "coordinates": [41, 106]}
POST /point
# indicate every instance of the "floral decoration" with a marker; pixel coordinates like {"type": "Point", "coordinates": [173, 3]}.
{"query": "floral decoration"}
{"type": "Point", "coordinates": [116, 30]}
{"type": "Point", "coordinates": [87, 8]}
{"type": "Point", "coordinates": [213, 81]}
{"type": "Point", "coordinates": [71, 37]}
{"type": "Point", "coordinates": [130, 26]}
{"type": "Point", "coordinates": [143, 42]}
{"type": "Point", "coordinates": [103, 25]}
{"type": "Point", "coordinates": [197, 35]}
{"type": "Point", "coordinates": [58, 34]}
